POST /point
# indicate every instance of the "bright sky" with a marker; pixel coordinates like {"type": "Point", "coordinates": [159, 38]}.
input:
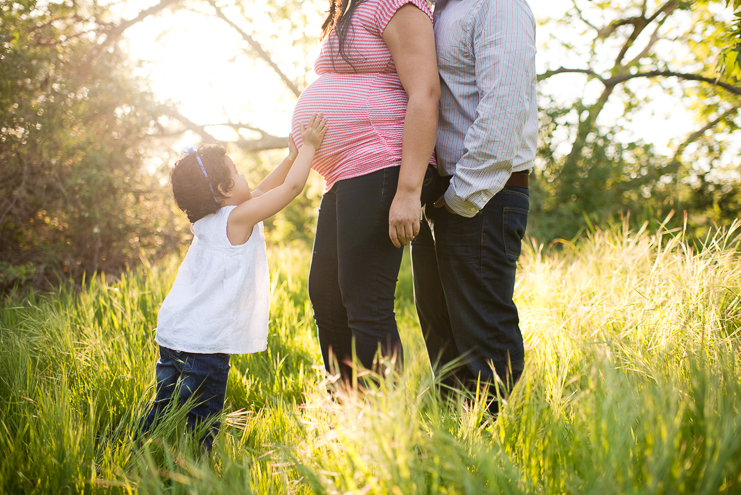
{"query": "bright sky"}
{"type": "Point", "coordinates": [198, 62]}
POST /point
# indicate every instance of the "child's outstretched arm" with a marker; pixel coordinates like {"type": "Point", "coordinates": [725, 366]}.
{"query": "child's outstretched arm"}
{"type": "Point", "coordinates": [278, 175]}
{"type": "Point", "coordinates": [255, 210]}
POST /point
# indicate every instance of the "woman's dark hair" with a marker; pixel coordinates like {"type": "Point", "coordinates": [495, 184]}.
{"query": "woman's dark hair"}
{"type": "Point", "coordinates": [190, 186]}
{"type": "Point", "coordinates": [338, 19]}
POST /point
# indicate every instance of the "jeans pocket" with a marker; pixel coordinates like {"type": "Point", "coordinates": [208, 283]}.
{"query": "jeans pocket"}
{"type": "Point", "coordinates": [458, 238]}
{"type": "Point", "coordinates": [429, 185]}
{"type": "Point", "coordinates": [514, 223]}
{"type": "Point", "coordinates": [224, 364]}
{"type": "Point", "coordinates": [184, 361]}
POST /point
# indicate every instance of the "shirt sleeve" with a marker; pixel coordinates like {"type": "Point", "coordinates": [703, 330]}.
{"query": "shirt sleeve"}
{"type": "Point", "coordinates": [387, 8]}
{"type": "Point", "coordinates": [504, 51]}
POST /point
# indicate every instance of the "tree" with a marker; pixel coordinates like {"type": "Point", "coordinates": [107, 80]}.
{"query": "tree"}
{"type": "Point", "coordinates": [74, 125]}
{"type": "Point", "coordinates": [624, 50]}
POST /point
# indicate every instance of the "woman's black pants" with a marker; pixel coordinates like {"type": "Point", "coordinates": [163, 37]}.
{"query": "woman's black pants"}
{"type": "Point", "coordinates": [354, 269]}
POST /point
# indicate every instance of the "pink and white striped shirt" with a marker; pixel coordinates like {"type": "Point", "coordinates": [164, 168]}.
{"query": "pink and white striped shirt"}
{"type": "Point", "coordinates": [364, 103]}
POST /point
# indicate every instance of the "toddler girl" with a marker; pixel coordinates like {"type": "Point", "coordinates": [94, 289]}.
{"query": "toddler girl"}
{"type": "Point", "coordinates": [219, 303]}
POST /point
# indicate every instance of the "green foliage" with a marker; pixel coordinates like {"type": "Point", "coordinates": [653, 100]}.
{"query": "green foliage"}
{"type": "Point", "coordinates": [73, 129]}
{"type": "Point", "coordinates": [632, 385]}
{"type": "Point", "coordinates": [732, 56]}
{"type": "Point", "coordinates": [10, 274]}
{"type": "Point", "coordinates": [592, 168]}
{"type": "Point", "coordinates": [612, 179]}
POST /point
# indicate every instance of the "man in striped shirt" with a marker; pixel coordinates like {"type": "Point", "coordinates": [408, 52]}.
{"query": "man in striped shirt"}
{"type": "Point", "coordinates": [466, 254]}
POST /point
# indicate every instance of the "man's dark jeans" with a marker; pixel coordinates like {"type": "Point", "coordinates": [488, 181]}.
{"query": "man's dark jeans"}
{"type": "Point", "coordinates": [204, 375]}
{"type": "Point", "coordinates": [464, 278]}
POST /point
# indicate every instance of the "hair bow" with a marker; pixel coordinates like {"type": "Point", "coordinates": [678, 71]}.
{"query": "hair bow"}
{"type": "Point", "coordinates": [189, 150]}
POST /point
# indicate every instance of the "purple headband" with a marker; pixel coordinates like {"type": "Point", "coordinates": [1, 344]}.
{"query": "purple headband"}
{"type": "Point", "coordinates": [193, 150]}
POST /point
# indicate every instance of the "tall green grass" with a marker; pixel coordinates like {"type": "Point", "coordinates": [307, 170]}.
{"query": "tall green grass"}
{"type": "Point", "coordinates": [632, 385]}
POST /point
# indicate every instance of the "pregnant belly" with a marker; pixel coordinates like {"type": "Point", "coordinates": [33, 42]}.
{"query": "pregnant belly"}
{"type": "Point", "coordinates": [365, 114]}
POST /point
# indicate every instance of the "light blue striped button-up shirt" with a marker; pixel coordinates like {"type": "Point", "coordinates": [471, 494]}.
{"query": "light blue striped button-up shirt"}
{"type": "Point", "coordinates": [488, 109]}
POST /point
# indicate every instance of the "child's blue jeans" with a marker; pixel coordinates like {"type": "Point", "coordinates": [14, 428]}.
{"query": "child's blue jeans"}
{"type": "Point", "coordinates": [202, 375]}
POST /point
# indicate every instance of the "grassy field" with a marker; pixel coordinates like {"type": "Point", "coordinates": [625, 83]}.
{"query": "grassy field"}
{"type": "Point", "coordinates": [632, 385]}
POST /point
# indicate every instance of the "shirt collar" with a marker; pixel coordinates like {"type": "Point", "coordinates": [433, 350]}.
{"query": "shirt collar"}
{"type": "Point", "coordinates": [440, 5]}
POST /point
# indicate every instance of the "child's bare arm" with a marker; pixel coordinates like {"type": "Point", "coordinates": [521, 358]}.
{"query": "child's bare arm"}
{"type": "Point", "coordinates": [278, 176]}
{"type": "Point", "coordinates": [268, 204]}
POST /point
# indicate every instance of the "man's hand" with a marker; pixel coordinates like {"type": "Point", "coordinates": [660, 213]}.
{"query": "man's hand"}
{"type": "Point", "coordinates": [441, 202]}
{"type": "Point", "coordinates": [404, 218]}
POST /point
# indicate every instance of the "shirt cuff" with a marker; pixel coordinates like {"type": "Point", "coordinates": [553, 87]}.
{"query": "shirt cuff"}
{"type": "Point", "coordinates": [460, 206]}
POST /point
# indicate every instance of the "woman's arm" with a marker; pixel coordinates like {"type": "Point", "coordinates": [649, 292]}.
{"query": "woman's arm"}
{"type": "Point", "coordinates": [278, 175]}
{"type": "Point", "coordinates": [411, 40]}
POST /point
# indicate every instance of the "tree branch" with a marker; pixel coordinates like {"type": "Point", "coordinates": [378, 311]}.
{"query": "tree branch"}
{"type": "Point", "coordinates": [613, 81]}
{"type": "Point", "coordinates": [266, 141]}
{"type": "Point", "coordinates": [666, 73]}
{"type": "Point", "coordinates": [698, 134]}
{"type": "Point", "coordinates": [582, 18]}
{"type": "Point", "coordinates": [667, 8]}
{"type": "Point", "coordinates": [240, 125]}
{"type": "Point", "coordinates": [639, 24]}
{"type": "Point", "coordinates": [610, 28]}
{"type": "Point", "coordinates": [651, 42]}
{"type": "Point", "coordinates": [564, 70]}
{"type": "Point", "coordinates": [113, 33]}
{"type": "Point", "coordinates": [116, 31]}
{"type": "Point", "coordinates": [258, 48]}
{"type": "Point", "coordinates": [189, 124]}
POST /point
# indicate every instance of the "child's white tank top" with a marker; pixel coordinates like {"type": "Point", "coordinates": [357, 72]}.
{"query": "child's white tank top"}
{"type": "Point", "coordinates": [220, 301]}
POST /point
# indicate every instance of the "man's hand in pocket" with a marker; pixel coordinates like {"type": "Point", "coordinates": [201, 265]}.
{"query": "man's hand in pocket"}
{"type": "Point", "coordinates": [441, 202]}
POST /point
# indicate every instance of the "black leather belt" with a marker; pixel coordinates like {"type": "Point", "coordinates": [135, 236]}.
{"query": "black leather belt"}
{"type": "Point", "coordinates": [519, 179]}
{"type": "Point", "coordinates": [516, 179]}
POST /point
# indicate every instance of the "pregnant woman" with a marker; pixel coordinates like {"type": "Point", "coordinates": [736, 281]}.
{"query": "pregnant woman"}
{"type": "Point", "coordinates": [379, 91]}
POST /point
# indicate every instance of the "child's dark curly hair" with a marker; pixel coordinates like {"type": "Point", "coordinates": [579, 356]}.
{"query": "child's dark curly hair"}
{"type": "Point", "coordinates": [190, 186]}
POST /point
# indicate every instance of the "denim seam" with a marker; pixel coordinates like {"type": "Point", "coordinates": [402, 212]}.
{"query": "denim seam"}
{"type": "Point", "coordinates": [515, 209]}
{"type": "Point", "coordinates": [505, 220]}
{"type": "Point", "coordinates": [505, 223]}
{"type": "Point", "coordinates": [517, 193]}
{"type": "Point", "coordinates": [481, 244]}
{"type": "Point", "coordinates": [334, 344]}
{"type": "Point", "coordinates": [374, 289]}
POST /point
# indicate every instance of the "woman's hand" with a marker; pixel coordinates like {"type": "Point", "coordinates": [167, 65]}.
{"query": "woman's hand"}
{"type": "Point", "coordinates": [404, 218]}
{"type": "Point", "coordinates": [313, 133]}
